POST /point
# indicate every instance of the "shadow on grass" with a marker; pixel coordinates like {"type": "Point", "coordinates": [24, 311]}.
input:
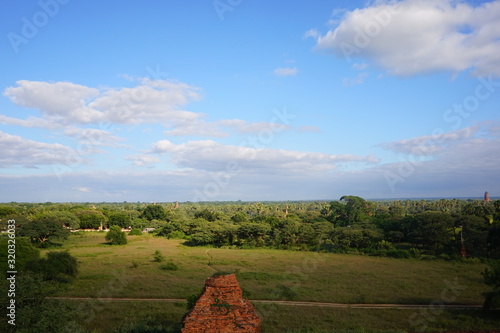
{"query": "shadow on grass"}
{"type": "Point", "coordinates": [153, 324]}
{"type": "Point", "coordinates": [417, 301]}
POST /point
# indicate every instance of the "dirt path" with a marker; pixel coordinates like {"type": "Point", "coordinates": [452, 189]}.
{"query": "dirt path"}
{"type": "Point", "coordinates": [290, 303]}
{"type": "Point", "coordinates": [210, 260]}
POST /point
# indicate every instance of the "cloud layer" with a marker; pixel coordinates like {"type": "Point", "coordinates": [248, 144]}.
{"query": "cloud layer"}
{"type": "Point", "coordinates": [419, 36]}
{"type": "Point", "coordinates": [212, 156]}
{"type": "Point", "coordinates": [151, 101]}
{"type": "Point", "coordinates": [30, 154]}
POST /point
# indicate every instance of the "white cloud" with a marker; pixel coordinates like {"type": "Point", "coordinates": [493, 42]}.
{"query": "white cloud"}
{"type": "Point", "coordinates": [245, 127]}
{"type": "Point", "coordinates": [429, 145]}
{"type": "Point", "coordinates": [417, 36]}
{"type": "Point", "coordinates": [31, 154]}
{"type": "Point", "coordinates": [210, 155]}
{"type": "Point", "coordinates": [153, 101]}
{"type": "Point", "coordinates": [143, 160]}
{"type": "Point", "coordinates": [311, 33]}
{"type": "Point", "coordinates": [30, 122]}
{"type": "Point", "coordinates": [150, 102]}
{"type": "Point", "coordinates": [467, 167]}
{"type": "Point", "coordinates": [62, 103]}
{"type": "Point", "coordinates": [92, 136]}
{"type": "Point", "coordinates": [286, 71]}
{"type": "Point", "coordinates": [196, 127]}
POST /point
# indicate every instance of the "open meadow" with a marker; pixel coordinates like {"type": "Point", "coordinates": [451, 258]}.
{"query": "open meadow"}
{"type": "Point", "coordinates": [130, 271]}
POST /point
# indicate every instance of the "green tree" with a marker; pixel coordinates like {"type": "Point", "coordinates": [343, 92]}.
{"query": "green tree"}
{"type": "Point", "coordinates": [357, 209]}
{"type": "Point", "coordinates": [475, 234]}
{"type": "Point", "coordinates": [286, 233]}
{"type": "Point", "coordinates": [116, 236]}
{"type": "Point", "coordinates": [493, 241]}
{"type": "Point", "coordinates": [120, 219]}
{"type": "Point", "coordinates": [91, 219]}
{"type": "Point", "coordinates": [66, 219]}
{"type": "Point", "coordinates": [432, 230]}
{"type": "Point", "coordinates": [6, 210]}
{"type": "Point", "coordinates": [479, 208]}
{"type": "Point", "coordinates": [337, 214]}
{"type": "Point", "coordinates": [492, 278]}
{"type": "Point", "coordinates": [41, 231]}
{"type": "Point", "coordinates": [25, 251]}
{"type": "Point", "coordinates": [58, 265]}
{"type": "Point", "coordinates": [239, 217]}
{"type": "Point", "coordinates": [251, 233]}
{"type": "Point", "coordinates": [397, 211]}
{"type": "Point", "coordinates": [322, 230]}
{"type": "Point", "coordinates": [207, 215]}
{"type": "Point", "coordinates": [154, 212]}
{"type": "Point", "coordinates": [202, 237]}
{"type": "Point", "coordinates": [35, 312]}
{"type": "Point", "coordinates": [359, 238]}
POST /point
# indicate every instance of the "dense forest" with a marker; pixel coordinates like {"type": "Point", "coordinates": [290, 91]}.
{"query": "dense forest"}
{"type": "Point", "coordinates": [401, 228]}
{"type": "Point", "coordinates": [464, 230]}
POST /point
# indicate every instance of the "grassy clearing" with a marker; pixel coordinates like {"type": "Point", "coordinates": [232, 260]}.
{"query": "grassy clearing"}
{"type": "Point", "coordinates": [305, 319]}
{"type": "Point", "coordinates": [130, 271]}
{"type": "Point", "coordinates": [109, 316]}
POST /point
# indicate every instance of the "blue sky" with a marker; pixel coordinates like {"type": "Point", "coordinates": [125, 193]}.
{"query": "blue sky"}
{"type": "Point", "coordinates": [248, 100]}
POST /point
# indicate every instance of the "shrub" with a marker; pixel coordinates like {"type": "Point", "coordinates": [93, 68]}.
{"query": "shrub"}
{"type": "Point", "coordinates": [384, 245]}
{"type": "Point", "coordinates": [491, 277]}
{"type": "Point", "coordinates": [399, 254]}
{"type": "Point", "coordinates": [135, 232]}
{"type": "Point", "coordinates": [59, 265]}
{"type": "Point", "coordinates": [415, 253]}
{"type": "Point", "coordinates": [25, 252]}
{"type": "Point", "coordinates": [169, 266]}
{"type": "Point", "coordinates": [191, 300]}
{"type": "Point", "coordinates": [158, 257]}
{"type": "Point", "coordinates": [116, 236]}
{"type": "Point", "coordinates": [177, 234]}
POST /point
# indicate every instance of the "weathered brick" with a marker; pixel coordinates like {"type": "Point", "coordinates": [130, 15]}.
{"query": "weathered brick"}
{"type": "Point", "coordinates": [221, 308]}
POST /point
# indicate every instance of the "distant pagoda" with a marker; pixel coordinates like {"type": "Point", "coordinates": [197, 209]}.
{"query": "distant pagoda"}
{"type": "Point", "coordinates": [487, 197]}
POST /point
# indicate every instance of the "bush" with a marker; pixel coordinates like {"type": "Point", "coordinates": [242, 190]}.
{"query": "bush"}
{"type": "Point", "coordinates": [491, 277]}
{"type": "Point", "coordinates": [135, 232]}
{"type": "Point", "coordinates": [158, 257]}
{"type": "Point", "coordinates": [25, 252]}
{"type": "Point", "coordinates": [116, 236]}
{"type": "Point", "coordinates": [169, 266]}
{"type": "Point", "coordinates": [177, 234]}
{"type": "Point", "coordinates": [59, 265]}
{"type": "Point", "coordinates": [191, 300]}
{"type": "Point", "coordinates": [399, 254]}
{"type": "Point", "coordinates": [384, 245]}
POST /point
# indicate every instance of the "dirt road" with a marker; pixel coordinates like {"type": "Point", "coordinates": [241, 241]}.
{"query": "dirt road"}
{"type": "Point", "coordinates": [290, 303]}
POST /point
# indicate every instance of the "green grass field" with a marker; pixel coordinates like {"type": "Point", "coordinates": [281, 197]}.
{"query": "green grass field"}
{"type": "Point", "coordinates": [130, 271]}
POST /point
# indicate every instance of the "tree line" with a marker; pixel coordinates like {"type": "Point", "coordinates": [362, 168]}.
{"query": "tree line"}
{"type": "Point", "coordinates": [398, 228]}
